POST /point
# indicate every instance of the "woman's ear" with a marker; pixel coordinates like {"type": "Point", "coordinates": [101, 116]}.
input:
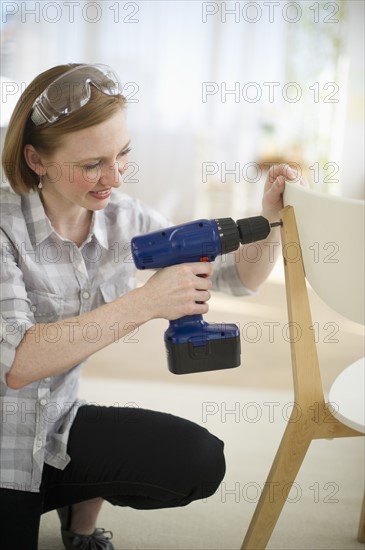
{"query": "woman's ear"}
{"type": "Point", "coordinates": [34, 160]}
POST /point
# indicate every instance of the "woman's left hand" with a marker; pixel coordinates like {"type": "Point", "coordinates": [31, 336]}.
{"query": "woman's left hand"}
{"type": "Point", "coordinates": [272, 200]}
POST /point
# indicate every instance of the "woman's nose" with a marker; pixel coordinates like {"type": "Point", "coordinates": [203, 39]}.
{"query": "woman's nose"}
{"type": "Point", "coordinates": [111, 175]}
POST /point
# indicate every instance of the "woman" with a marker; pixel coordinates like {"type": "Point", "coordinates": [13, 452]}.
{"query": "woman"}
{"type": "Point", "coordinates": [68, 290]}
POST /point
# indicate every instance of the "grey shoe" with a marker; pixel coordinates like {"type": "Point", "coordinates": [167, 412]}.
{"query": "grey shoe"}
{"type": "Point", "coordinates": [98, 540]}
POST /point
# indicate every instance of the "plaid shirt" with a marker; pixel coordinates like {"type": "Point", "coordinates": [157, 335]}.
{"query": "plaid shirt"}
{"type": "Point", "coordinates": [45, 278]}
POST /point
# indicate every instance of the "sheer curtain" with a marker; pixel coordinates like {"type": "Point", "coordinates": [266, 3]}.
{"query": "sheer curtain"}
{"type": "Point", "coordinates": [216, 90]}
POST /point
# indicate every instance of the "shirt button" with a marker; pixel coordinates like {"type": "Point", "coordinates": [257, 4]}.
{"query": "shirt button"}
{"type": "Point", "coordinates": [86, 295]}
{"type": "Point", "coordinates": [43, 401]}
{"type": "Point", "coordinates": [33, 308]}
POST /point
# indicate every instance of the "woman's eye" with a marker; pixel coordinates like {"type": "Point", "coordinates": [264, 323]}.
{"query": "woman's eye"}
{"type": "Point", "coordinates": [125, 152]}
{"type": "Point", "coordinates": [91, 166]}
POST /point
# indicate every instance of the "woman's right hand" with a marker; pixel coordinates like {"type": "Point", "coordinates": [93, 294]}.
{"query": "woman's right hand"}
{"type": "Point", "coordinates": [178, 290]}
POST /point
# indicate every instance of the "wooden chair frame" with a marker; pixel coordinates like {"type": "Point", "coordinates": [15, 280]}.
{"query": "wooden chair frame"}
{"type": "Point", "coordinates": [316, 420]}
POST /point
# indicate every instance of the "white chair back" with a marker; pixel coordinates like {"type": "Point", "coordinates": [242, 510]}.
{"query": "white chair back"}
{"type": "Point", "coordinates": [331, 231]}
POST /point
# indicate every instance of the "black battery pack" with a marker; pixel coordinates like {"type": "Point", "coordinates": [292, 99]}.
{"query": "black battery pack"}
{"type": "Point", "coordinates": [186, 358]}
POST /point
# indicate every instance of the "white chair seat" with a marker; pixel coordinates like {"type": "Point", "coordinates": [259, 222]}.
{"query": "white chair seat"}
{"type": "Point", "coordinates": [347, 396]}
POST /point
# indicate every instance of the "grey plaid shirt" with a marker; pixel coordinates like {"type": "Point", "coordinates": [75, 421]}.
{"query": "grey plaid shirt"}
{"type": "Point", "coordinates": [45, 278]}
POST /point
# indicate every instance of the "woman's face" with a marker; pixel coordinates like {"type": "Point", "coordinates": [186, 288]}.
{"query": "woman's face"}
{"type": "Point", "coordinates": [88, 165]}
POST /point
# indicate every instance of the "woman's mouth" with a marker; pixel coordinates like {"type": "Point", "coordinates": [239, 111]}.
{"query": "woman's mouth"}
{"type": "Point", "coordinates": [104, 194]}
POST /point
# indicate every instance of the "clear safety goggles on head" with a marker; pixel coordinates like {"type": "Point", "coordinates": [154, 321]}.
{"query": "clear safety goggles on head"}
{"type": "Point", "coordinates": [71, 91]}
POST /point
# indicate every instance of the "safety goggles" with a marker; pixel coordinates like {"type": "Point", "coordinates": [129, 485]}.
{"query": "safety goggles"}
{"type": "Point", "coordinates": [71, 91]}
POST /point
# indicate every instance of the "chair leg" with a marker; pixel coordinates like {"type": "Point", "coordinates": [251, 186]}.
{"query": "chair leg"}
{"type": "Point", "coordinates": [289, 457]}
{"type": "Point", "coordinates": [361, 532]}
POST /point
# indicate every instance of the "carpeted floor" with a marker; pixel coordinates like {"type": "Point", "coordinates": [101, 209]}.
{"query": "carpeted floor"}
{"type": "Point", "coordinates": [248, 408]}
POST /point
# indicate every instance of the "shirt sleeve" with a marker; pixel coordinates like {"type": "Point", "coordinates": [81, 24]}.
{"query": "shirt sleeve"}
{"type": "Point", "coordinates": [225, 277]}
{"type": "Point", "coordinates": [149, 219]}
{"type": "Point", "coordinates": [16, 317]}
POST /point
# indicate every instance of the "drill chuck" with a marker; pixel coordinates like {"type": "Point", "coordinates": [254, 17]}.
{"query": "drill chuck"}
{"type": "Point", "coordinates": [253, 229]}
{"type": "Point", "coordinates": [244, 231]}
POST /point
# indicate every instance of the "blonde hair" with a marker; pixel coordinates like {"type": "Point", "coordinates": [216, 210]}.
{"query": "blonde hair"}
{"type": "Point", "coordinates": [22, 130]}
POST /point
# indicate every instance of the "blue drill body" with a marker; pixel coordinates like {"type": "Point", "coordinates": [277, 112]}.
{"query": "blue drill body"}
{"type": "Point", "coordinates": [180, 244]}
{"type": "Point", "coordinates": [192, 344]}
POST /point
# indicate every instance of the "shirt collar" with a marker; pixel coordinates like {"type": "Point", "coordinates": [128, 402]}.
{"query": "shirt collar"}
{"type": "Point", "coordinates": [99, 228]}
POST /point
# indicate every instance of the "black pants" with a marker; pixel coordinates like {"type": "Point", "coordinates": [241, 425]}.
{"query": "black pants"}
{"type": "Point", "coordinates": [130, 457]}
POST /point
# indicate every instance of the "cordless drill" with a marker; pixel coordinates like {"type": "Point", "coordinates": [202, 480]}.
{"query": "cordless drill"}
{"type": "Point", "coordinates": [192, 344]}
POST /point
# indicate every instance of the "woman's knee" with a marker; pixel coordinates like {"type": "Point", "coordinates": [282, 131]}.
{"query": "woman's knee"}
{"type": "Point", "coordinates": [208, 465]}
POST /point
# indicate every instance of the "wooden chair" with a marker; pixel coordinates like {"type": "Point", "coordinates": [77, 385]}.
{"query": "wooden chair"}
{"type": "Point", "coordinates": [322, 221]}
